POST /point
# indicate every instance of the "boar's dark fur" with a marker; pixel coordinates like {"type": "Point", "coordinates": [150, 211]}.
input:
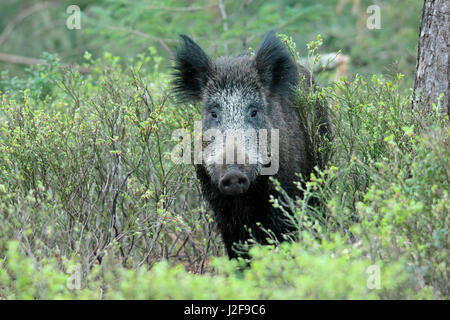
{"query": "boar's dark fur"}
{"type": "Point", "coordinates": [264, 84]}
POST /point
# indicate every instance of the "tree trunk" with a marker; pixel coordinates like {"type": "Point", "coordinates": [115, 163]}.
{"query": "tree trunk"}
{"type": "Point", "coordinates": [433, 54]}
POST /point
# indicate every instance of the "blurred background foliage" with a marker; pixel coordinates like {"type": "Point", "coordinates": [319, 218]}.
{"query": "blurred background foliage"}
{"type": "Point", "coordinates": [127, 28]}
{"type": "Point", "coordinates": [91, 206]}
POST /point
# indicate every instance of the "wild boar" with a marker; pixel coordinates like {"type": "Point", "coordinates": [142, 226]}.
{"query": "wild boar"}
{"type": "Point", "coordinates": [247, 93]}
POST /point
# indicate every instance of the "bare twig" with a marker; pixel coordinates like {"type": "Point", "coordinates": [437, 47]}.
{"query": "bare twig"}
{"type": "Point", "coordinates": [19, 59]}
{"type": "Point", "coordinates": [140, 34]}
{"type": "Point", "coordinates": [181, 9]}
{"type": "Point", "coordinates": [280, 26]}
{"type": "Point", "coordinates": [10, 58]}
{"type": "Point", "coordinates": [172, 56]}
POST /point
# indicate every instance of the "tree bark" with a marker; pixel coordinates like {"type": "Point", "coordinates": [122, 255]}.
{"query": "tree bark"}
{"type": "Point", "coordinates": [433, 54]}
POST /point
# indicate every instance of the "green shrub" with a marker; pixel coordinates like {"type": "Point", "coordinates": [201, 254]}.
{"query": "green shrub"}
{"type": "Point", "coordinates": [293, 271]}
{"type": "Point", "coordinates": [92, 207]}
{"type": "Point", "coordinates": [386, 183]}
{"type": "Point", "coordinates": [86, 169]}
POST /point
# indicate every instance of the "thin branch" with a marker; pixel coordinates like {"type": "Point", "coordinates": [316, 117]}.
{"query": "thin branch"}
{"type": "Point", "coordinates": [147, 36]}
{"type": "Point", "coordinates": [223, 13]}
{"type": "Point", "coordinates": [30, 61]}
{"type": "Point", "coordinates": [224, 16]}
{"type": "Point", "coordinates": [181, 9]}
{"type": "Point", "coordinates": [172, 56]}
{"type": "Point", "coordinates": [19, 59]}
{"type": "Point", "coordinates": [280, 26]}
{"type": "Point", "coordinates": [140, 34]}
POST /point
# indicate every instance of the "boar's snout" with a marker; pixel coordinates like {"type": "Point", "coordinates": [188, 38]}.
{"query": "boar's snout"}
{"type": "Point", "coordinates": [234, 183]}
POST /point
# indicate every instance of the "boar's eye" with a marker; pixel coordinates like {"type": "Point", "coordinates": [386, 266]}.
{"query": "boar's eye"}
{"type": "Point", "coordinates": [253, 108]}
{"type": "Point", "coordinates": [212, 109]}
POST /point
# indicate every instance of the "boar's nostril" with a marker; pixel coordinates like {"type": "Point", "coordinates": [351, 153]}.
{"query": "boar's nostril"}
{"type": "Point", "coordinates": [226, 183]}
{"type": "Point", "coordinates": [234, 183]}
{"type": "Point", "coordinates": [267, 165]}
{"type": "Point", "coordinates": [243, 181]}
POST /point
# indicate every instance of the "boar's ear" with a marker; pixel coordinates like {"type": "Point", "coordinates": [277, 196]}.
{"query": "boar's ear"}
{"type": "Point", "coordinates": [276, 67]}
{"type": "Point", "coordinates": [192, 67]}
